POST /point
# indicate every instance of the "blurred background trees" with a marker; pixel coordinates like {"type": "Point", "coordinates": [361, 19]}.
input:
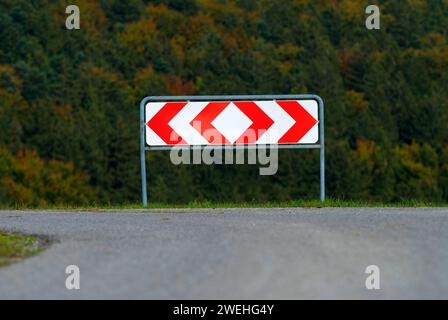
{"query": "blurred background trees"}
{"type": "Point", "coordinates": [69, 99]}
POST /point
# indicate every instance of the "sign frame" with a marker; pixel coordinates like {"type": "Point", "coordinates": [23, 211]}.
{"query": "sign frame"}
{"type": "Point", "coordinates": [146, 148]}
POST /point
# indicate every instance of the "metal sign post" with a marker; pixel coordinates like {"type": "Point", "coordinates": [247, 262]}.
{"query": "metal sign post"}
{"type": "Point", "coordinates": [293, 122]}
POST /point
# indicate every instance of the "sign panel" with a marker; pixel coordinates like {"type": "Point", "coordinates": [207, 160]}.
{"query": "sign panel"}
{"type": "Point", "coordinates": [232, 122]}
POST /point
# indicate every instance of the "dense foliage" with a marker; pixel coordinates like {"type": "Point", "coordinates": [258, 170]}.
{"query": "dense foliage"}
{"type": "Point", "coordinates": [69, 98]}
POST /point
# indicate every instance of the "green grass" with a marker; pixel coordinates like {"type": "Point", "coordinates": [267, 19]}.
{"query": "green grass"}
{"type": "Point", "coordinates": [331, 203]}
{"type": "Point", "coordinates": [15, 247]}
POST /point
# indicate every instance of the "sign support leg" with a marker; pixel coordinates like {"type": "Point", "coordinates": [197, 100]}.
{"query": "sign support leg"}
{"type": "Point", "coordinates": [143, 155]}
{"type": "Point", "coordinates": [322, 150]}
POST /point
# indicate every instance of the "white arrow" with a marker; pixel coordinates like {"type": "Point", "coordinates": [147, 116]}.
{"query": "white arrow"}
{"type": "Point", "coordinates": [181, 123]}
{"type": "Point", "coordinates": [282, 122]}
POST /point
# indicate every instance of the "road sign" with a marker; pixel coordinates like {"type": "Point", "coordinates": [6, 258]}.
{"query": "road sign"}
{"type": "Point", "coordinates": [232, 122]}
{"type": "Point", "coordinates": [287, 121]}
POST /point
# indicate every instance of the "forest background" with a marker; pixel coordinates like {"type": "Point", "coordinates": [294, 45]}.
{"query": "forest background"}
{"type": "Point", "coordinates": [69, 121]}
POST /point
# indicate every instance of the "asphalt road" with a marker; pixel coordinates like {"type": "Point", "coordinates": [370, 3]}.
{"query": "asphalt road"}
{"type": "Point", "coordinates": [233, 254]}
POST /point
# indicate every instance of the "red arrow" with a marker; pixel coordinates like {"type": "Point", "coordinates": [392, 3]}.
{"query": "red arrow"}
{"type": "Point", "coordinates": [304, 121]}
{"type": "Point", "coordinates": [203, 122]}
{"type": "Point", "coordinates": [159, 123]}
{"type": "Point", "coordinates": [260, 122]}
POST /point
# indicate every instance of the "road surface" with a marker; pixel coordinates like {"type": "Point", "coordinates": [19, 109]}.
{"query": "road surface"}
{"type": "Point", "coordinates": [232, 254]}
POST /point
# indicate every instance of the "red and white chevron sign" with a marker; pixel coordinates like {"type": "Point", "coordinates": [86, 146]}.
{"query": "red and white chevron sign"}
{"type": "Point", "coordinates": [232, 122]}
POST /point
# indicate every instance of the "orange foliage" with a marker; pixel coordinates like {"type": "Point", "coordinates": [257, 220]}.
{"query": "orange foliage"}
{"type": "Point", "coordinates": [139, 35]}
{"type": "Point", "coordinates": [11, 72]}
{"type": "Point", "coordinates": [197, 27]}
{"type": "Point", "coordinates": [63, 111]}
{"type": "Point", "coordinates": [366, 151]}
{"type": "Point", "coordinates": [178, 87]}
{"type": "Point", "coordinates": [352, 9]}
{"type": "Point", "coordinates": [347, 58]}
{"type": "Point", "coordinates": [28, 179]}
{"type": "Point", "coordinates": [356, 100]}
